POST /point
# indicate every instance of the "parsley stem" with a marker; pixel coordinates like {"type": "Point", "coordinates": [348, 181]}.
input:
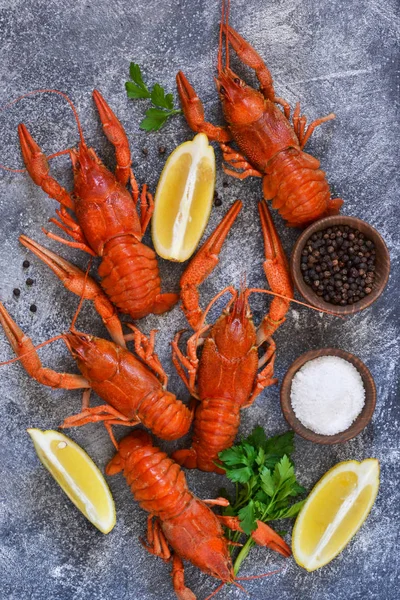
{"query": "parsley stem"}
{"type": "Point", "coordinates": [242, 555]}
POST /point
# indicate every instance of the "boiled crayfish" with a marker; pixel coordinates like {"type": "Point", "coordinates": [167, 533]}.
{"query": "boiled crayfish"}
{"type": "Point", "coordinates": [225, 378]}
{"type": "Point", "coordinates": [177, 518]}
{"type": "Point", "coordinates": [271, 147]}
{"type": "Point", "coordinates": [134, 388]}
{"type": "Point", "coordinates": [107, 224]}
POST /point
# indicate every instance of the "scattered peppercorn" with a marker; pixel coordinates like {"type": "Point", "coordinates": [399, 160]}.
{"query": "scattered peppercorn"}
{"type": "Point", "coordinates": [225, 184]}
{"type": "Point", "coordinates": [339, 264]}
{"type": "Point", "coordinates": [161, 149]}
{"type": "Point", "coordinates": [217, 199]}
{"type": "Point", "coordinates": [33, 308]}
{"type": "Point", "coordinates": [26, 264]}
{"type": "Point", "coordinates": [29, 281]}
{"type": "Point", "coordinates": [16, 292]}
{"type": "Point", "coordinates": [145, 151]}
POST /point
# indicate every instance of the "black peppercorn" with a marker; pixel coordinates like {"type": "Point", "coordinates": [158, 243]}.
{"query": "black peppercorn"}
{"type": "Point", "coordinates": [339, 264]}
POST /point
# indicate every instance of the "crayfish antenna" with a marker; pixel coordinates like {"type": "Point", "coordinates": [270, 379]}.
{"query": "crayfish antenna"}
{"type": "Point", "coordinates": [258, 576]}
{"type": "Point", "coordinates": [17, 358]}
{"type": "Point", "coordinates": [227, 9]}
{"type": "Point", "coordinates": [46, 91]}
{"type": "Point", "coordinates": [240, 587]}
{"type": "Point", "coordinates": [72, 328]}
{"type": "Point", "coordinates": [271, 293]}
{"type": "Point", "coordinates": [223, 30]}
{"type": "Point", "coordinates": [218, 589]}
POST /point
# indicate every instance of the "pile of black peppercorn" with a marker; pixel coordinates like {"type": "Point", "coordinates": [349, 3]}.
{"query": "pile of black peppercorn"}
{"type": "Point", "coordinates": [339, 264]}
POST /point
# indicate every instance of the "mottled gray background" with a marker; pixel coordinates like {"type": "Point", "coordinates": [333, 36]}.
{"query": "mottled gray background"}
{"type": "Point", "coordinates": [332, 56]}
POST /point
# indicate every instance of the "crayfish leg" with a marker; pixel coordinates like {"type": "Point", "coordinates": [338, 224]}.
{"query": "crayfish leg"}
{"type": "Point", "coordinates": [178, 580]}
{"type": "Point", "coordinates": [194, 112]}
{"type": "Point", "coordinates": [38, 168]}
{"type": "Point", "coordinates": [156, 542]}
{"type": "Point", "coordinates": [252, 59]}
{"type": "Point", "coordinates": [277, 272]}
{"type": "Point", "coordinates": [203, 264]}
{"type": "Point", "coordinates": [81, 284]}
{"type": "Point", "coordinates": [25, 350]}
{"type": "Point", "coordinates": [115, 133]}
{"type": "Point", "coordinates": [263, 535]}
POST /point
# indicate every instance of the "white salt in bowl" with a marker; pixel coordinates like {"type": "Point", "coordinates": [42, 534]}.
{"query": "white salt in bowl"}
{"type": "Point", "coordinates": [360, 422]}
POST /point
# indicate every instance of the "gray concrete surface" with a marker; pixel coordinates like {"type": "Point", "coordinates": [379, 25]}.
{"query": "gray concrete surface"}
{"type": "Point", "coordinates": [332, 56]}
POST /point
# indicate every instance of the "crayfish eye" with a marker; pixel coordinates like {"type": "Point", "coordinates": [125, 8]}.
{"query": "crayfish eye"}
{"type": "Point", "coordinates": [237, 80]}
{"type": "Point", "coordinates": [222, 90]}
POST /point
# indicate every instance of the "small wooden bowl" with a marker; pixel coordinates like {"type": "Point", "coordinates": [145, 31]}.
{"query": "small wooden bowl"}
{"type": "Point", "coordinates": [382, 264]}
{"type": "Point", "coordinates": [363, 418]}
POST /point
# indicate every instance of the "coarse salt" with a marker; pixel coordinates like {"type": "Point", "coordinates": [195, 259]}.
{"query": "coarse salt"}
{"type": "Point", "coordinates": [327, 394]}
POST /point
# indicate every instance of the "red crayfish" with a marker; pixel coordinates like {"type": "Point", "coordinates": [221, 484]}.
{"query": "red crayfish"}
{"type": "Point", "coordinates": [177, 518]}
{"type": "Point", "coordinates": [271, 147]}
{"type": "Point", "coordinates": [134, 388]}
{"type": "Point", "coordinates": [225, 378]}
{"type": "Point", "coordinates": [107, 224]}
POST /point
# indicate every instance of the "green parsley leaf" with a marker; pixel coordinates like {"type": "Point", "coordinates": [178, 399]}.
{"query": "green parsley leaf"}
{"type": "Point", "coordinates": [155, 119]}
{"type": "Point", "coordinates": [134, 91]}
{"type": "Point", "coordinates": [231, 457]}
{"type": "Point", "coordinates": [159, 98]}
{"type": "Point", "coordinates": [261, 496]}
{"type": "Point", "coordinates": [277, 446]}
{"type": "Point", "coordinates": [163, 103]}
{"type": "Point", "coordinates": [286, 513]}
{"type": "Point", "coordinates": [260, 459]}
{"type": "Point", "coordinates": [297, 489]}
{"type": "Point", "coordinates": [267, 481]}
{"type": "Point", "coordinates": [247, 518]}
{"type": "Point", "coordinates": [240, 475]}
{"type": "Point", "coordinates": [136, 75]}
{"type": "Point", "coordinates": [257, 438]}
{"type": "Point", "coordinates": [260, 508]}
{"type": "Point", "coordinates": [283, 471]}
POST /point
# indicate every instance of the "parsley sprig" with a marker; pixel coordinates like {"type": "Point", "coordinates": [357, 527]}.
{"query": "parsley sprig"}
{"type": "Point", "coordinates": [265, 483]}
{"type": "Point", "coordinates": [163, 103]}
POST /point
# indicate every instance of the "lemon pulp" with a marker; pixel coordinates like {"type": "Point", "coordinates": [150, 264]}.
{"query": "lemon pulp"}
{"type": "Point", "coordinates": [183, 199]}
{"type": "Point", "coordinates": [335, 510]}
{"type": "Point", "coordinates": [77, 475]}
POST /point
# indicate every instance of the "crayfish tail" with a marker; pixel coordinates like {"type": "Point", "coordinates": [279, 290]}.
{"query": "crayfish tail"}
{"type": "Point", "coordinates": [186, 458]}
{"type": "Point", "coordinates": [334, 206]}
{"type": "Point", "coordinates": [115, 465]}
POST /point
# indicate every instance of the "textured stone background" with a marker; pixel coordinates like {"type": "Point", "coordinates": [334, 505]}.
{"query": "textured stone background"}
{"type": "Point", "coordinates": [332, 56]}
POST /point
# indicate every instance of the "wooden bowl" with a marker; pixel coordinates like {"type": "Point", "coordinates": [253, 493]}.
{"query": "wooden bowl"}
{"type": "Point", "coordinates": [363, 418]}
{"type": "Point", "coordinates": [382, 264]}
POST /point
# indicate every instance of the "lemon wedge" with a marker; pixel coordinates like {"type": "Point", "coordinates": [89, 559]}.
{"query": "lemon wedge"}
{"type": "Point", "coordinates": [334, 511]}
{"type": "Point", "coordinates": [77, 475]}
{"type": "Point", "coordinates": [183, 199]}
